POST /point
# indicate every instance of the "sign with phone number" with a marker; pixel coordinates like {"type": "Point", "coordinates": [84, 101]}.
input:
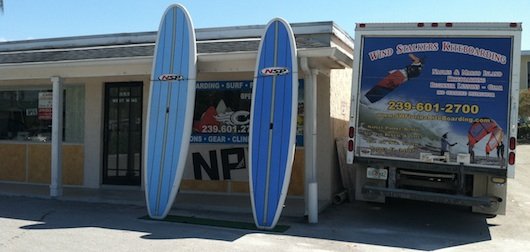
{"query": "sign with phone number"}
{"type": "Point", "coordinates": [419, 93]}
{"type": "Point", "coordinates": [222, 112]}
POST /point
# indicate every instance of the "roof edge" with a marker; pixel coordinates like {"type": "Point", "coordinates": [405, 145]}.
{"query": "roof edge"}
{"type": "Point", "coordinates": [202, 34]}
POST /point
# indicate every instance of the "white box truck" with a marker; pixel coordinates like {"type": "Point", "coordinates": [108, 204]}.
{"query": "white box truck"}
{"type": "Point", "coordinates": [434, 112]}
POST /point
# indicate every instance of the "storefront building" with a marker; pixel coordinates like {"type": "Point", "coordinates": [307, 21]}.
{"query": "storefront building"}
{"type": "Point", "coordinates": [96, 88]}
{"type": "Point", "coordinates": [525, 70]}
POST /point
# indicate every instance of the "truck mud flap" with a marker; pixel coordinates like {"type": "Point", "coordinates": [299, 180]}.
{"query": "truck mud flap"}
{"type": "Point", "coordinates": [428, 196]}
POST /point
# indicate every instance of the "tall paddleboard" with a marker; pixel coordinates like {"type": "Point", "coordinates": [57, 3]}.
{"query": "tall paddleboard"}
{"type": "Point", "coordinates": [273, 122]}
{"type": "Point", "coordinates": [170, 110]}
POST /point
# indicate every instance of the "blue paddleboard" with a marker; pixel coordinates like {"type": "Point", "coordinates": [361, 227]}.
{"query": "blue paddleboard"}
{"type": "Point", "coordinates": [273, 122]}
{"type": "Point", "coordinates": [170, 110]}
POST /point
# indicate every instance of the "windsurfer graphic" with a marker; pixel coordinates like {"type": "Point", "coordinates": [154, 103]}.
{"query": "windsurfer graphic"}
{"type": "Point", "coordinates": [394, 79]}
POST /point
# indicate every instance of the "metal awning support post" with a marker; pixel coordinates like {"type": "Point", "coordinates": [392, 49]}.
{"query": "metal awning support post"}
{"type": "Point", "coordinates": [56, 187]}
{"type": "Point", "coordinates": [310, 140]}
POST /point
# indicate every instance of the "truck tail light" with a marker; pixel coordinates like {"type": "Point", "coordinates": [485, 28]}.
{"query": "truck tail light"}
{"type": "Point", "coordinates": [511, 158]}
{"type": "Point", "coordinates": [513, 143]}
{"type": "Point", "coordinates": [350, 145]}
{"type": "Point", "coordinates": [351, 132]}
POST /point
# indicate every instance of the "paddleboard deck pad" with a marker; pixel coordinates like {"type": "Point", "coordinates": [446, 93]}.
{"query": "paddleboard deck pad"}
{"type": "Point", "coordinates": [273, 122]}
{"type": "Point", "coordinates": [170, 110]}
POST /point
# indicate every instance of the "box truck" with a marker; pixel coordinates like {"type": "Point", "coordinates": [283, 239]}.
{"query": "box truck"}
{"type": "Point", "coordinates": [434, 112]}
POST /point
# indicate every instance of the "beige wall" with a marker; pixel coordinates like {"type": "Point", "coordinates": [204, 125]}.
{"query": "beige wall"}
{"type": "Point", "coordinates": [85, 170]}
{"type": "Point", "coordinates": [333, 91]}
{"type": "Point", "coordinates": [31, 162]}
{"type": "Point", "coordinates": [324, 148]}
{"type": "Point", "coordinates": [340, 98]}
{"type": "Point", "coordinates": [340, 95]}
{"type": "Point", "coordinates": [94, 113]}
{"type": "Point", "coordinates": [13, 165]}
{"type": "Point", "coordinates": [93, 132]}
{"type": "Point", "coordinates": [332, 114]}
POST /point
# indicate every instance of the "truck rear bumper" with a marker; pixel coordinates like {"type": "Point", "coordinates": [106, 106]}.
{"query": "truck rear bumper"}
{"type": "Point", "coordinates": [431, 167]}
{"type": "Point", "coordinates": [482, 189]}
{"type": "Point", "coordinates": [427, 196]}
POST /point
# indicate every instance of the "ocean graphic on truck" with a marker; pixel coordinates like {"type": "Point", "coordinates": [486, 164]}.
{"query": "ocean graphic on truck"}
{"type": "Point", "coordinates": [417, 92]}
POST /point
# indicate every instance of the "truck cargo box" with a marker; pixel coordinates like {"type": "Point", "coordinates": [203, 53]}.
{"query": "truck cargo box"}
{"type": "Point", "coordinates": [434, 112]}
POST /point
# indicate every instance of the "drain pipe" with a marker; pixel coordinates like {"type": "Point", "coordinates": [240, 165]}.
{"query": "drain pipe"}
{"type": "Point", "coordinates": [310, 140]}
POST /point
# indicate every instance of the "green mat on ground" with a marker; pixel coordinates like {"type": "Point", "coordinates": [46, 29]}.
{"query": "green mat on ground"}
{"type": "Point", "coordinates": [217, 223]}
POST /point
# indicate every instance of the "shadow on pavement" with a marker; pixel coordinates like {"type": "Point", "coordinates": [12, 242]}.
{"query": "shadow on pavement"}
{"type": "Point", "coordinates": [53, 214]}
{"type": "Point", "coordinates": [398, 223]}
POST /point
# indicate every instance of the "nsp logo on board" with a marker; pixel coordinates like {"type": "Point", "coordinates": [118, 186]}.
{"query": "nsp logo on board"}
{"type": "Point", "coordinates": [170, 77]}
{"type": "Point", "coordinates": [274, 71]}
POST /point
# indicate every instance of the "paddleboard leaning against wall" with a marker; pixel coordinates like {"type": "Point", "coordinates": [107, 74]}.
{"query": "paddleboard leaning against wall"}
{"type": "Point", "coordinates": [273, 122]}
{"type": "Point", "coordinates": [170, 109]}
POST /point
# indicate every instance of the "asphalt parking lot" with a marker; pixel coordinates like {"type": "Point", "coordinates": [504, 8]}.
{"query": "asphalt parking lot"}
{"type": "Point", "coordinates": [33, 224]}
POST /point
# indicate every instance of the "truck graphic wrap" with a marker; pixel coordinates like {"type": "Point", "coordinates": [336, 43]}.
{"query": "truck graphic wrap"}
{"type": "Point", "coordinates": [427, 97]}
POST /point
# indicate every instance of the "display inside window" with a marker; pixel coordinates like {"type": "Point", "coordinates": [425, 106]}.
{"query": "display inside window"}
{"type": "Point", "coordinates": [26, 115]}
{"type": "Point", "coordinates": [222, 112]}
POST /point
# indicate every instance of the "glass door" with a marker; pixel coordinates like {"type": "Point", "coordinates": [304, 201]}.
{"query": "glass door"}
{"type": "Point", "coordinates": [122, 152]}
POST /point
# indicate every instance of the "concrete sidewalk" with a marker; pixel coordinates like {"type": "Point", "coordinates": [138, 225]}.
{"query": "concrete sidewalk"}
{"type": "Point", "coordinates": [30, 224]}
{"type": "Point", "coordinates": [41, 224]}
{"type": "Point", "coordinates": [134, 196]}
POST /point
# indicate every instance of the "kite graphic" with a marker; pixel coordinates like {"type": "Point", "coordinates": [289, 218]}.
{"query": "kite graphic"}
{"type": "Point", "coordinates": [394, 79]}
{"type": "Point", "coordinates": [483, 127]}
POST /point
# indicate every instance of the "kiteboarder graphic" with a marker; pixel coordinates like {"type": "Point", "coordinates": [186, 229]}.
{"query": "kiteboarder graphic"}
{"type": "Point", "coordinates": [394, 79]}
{"type": "Point", "coordinates": [445, 145]}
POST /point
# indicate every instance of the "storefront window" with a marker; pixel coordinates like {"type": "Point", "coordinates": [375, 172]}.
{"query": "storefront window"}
{"type": "Point", "coordinates": [74, 114]}
{"type": "Point", "coordinates": [222, 112]}
{"type": "Point", "coordinates": [26, 114]}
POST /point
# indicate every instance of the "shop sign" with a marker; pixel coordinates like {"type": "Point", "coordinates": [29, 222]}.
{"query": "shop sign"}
{"type": "Point", "coordinates": [222, 112]}
{"type": "Point", "coordinates": [45, 106]}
